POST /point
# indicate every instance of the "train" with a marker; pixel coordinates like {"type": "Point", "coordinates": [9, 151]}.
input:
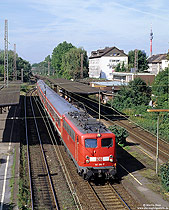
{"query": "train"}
{"type": "Point", "coordinates": [89, 143]}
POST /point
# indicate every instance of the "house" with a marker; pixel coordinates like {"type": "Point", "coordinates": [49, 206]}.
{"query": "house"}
{"type": "Point", "coordinates": [102, 63]}
{"type": "Point", "coordinates": [157, 63]}
{"type": "Point", "coordinates": [148, 78]}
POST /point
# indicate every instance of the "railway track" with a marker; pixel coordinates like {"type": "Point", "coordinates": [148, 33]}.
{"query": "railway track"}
{"type": "Point", "coordinates": [41, 187]}
{"type": "Point", "coordinates": [51, 186]}
{"type": "Point", "coordinates": [146, 139]}
{"type": "Point", "coordinates": [108, 197]}
{"type": "Point", "coordinates": [86, 195]}
{"type": "Point", "coordinates": [98, 194]}
{"type": "Point", "coordinates": [138, 134]}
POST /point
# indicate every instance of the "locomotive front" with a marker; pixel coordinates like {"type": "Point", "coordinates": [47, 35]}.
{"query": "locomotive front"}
{"type": "Point", "coordinates": [98, 156]}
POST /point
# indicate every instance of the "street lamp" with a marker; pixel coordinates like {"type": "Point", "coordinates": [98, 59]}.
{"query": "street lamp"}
{"type": "Point", "coordinates": [158, 111]}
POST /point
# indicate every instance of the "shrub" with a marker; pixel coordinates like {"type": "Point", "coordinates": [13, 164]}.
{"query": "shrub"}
{"type": "Point", "coordinates": [164, 175]}
{"type": "Point", "coordinates": [120, 133]}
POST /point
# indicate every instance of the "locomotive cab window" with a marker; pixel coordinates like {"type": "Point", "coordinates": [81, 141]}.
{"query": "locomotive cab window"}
{"type": "Point", "coordinates": [90, 143]}
{"type": "Point", "coordinates": [107, 142]}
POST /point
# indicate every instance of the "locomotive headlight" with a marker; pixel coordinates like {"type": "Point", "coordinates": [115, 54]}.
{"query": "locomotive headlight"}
{"type": "Point", "coordinates": [111, 158]}
{"type": "Point", "coordinates": [98, 135]}
{"type": "Point", "coordinates": [87, 157]}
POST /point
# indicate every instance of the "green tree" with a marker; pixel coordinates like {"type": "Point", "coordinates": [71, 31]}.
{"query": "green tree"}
{"type": "Point", "coordinates": [142, 60]}
{"type": "Point", "coordinates": [164, 175]}
{"type": "Point", "coordinates": [137, 93]}
{"type": "Point", "coordinates": [25, 65]}
{"type": "Point", "coordinates": [20, 64]}
{"type": "Point", "coordinates": [120, 133]}
{"type": "Point", "coordinates": [121, 67]}
{"type": "Point", "coordinates": [118, 68]}
{"type": "Point", "coordinates": [160, 89]}
{"type": "Point", "coordinates": [71, 64]}
{"type": "Point", "coordinates": [58, 53]}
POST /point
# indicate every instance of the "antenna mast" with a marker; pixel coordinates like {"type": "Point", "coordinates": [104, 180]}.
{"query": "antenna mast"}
{"type": "Point", "coordinates": [151, 38]}
{"type": "Point", "coordinates": [6, 54]}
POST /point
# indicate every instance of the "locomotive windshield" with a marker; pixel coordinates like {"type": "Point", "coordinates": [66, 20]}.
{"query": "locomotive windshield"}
{"type": "Point", "coordinates": [107, 142]}
{"type": "Point", "coordinates": [90, 143]}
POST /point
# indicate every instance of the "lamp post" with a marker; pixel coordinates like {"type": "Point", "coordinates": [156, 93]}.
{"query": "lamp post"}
{"type": "Point", "coordinates": [158, 111]}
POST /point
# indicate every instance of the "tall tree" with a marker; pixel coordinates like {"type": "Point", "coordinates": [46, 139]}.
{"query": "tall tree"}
{"type": "Point", "coordinates": [71, 63]}
{"type": "Point", "coordinates": [142, 60]}
{"type": "Point", "coordinates": [20, 64]}
{"type": "Point", "coordinates": [58, 53]}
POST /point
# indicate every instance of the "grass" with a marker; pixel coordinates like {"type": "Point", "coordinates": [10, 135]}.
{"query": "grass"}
{"type": "Point", "coordinates": [149, 172]}
{"type": "Point", "coordinates": [12, 180]}
{"type": "Point", "coordinates": [24, 192]}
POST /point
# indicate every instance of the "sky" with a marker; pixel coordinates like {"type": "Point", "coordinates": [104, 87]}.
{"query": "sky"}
{"type": "Point", "coordinates": [38, 26]}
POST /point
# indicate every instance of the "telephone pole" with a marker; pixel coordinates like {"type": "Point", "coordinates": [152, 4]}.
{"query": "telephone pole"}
{"type": "Point", "coordinates": [14, 65]}
{"type": "Point", "coordinates": [6, 54]}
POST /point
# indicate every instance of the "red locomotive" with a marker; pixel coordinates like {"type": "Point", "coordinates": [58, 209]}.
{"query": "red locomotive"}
{"type": "Point", "coordinates": [90, 144]}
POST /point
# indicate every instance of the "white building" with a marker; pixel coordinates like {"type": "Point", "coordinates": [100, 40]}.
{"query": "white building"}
{"type": "Point", "coordinates": [102, 63]}
{"type": "Point", "coordinates": [157, 63]}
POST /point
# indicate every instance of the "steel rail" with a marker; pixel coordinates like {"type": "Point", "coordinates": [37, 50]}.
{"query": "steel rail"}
{"type": "Point", "coordinates": [88, 99]}
{"type": "Point", "coordinates": [28, 154]}
{"type": "Point", "coordinates": [97, 197]}
{"type": "Point", "coordinates": [59, 155]}
{"type": "Point", "coordinates": [111, 186]}
{"type": "Point", "coordinates": [44, 157]}
{"type": "Point", "coordinates": [115, 193]}
{"type": "Point", "coordinates": [149, 144]}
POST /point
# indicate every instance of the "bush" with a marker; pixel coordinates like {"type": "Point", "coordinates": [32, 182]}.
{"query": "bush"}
{"type": "Point", "coordinates": [120, 133]}
{"type": "Point", "coordinates": [164, 175]}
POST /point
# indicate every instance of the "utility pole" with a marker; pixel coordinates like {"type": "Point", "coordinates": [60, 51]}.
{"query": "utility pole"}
{"type": "Point", "coordinates": [81, 73]}
{"type": "Point", "coordinates": [136, 60]}
{"type": "Point", "coordinates": [6, 54]}
{"type": "Point", "coordinates": [14, 65]}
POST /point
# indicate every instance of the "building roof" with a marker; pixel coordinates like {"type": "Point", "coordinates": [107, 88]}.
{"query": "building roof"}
{"type": "Point", "coordinates": [71, 86]}
{"type": "Point", "coordinates": [111, 83]}
{"type": "Point", "coordinates": [10, 95]}
{"type": "Point", "coordinates": [157, 58]}
{"type": "Point", "coordinates": [107, 51]}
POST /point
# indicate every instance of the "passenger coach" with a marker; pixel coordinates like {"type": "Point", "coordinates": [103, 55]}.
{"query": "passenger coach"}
{"type": "Point", "coordinates": [89, 143]}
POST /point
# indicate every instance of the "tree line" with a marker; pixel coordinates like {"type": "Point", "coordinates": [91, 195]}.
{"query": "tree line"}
{"type": "Point", "coordinates": [20, 64]}
{"type": "Point", "coordinates": [65, 62]}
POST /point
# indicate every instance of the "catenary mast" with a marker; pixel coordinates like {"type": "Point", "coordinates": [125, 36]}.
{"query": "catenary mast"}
{"type": "Point", "coordinates": [14, 64]}
{"type": "Point", "coordinates": [6, 54]}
